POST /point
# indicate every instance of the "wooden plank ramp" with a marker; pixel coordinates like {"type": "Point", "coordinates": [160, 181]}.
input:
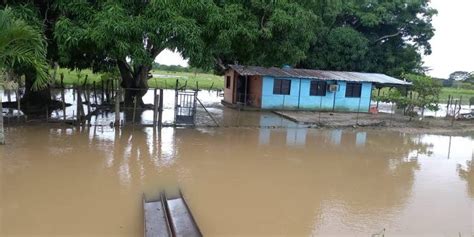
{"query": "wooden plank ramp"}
{"type": "Point", "coordinates": [169, 217]}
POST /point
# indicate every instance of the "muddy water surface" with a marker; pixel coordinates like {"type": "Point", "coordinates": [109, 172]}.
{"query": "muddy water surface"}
{"type": "Point", "coordinates": [238, 181]}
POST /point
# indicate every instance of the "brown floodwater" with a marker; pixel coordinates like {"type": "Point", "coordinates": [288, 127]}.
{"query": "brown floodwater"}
{"type": "Point", "coordinates": [238, 181]}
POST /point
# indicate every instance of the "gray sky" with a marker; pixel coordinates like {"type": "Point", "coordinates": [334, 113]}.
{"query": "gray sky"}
{"type": "Point", "coordinates": [452, 45]}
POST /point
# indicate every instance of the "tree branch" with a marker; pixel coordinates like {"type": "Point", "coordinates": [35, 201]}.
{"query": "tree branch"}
{"type": "Point", "coordinates": [387, 36]}
{"type": "Point", "coordinates": [220, 63]}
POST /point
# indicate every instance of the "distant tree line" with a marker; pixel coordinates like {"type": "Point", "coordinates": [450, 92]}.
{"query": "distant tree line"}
{"type": "Point", "coordinates": [178, 68]}
{"type": "Point", "coordinates": [458, 79]}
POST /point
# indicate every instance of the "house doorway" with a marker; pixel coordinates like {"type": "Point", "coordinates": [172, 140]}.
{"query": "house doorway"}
{"type": "Point", "coordinates": [242, 88]}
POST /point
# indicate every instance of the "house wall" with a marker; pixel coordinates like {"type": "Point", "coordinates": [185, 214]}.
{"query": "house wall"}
{"type": "Point", "coordinates": [229, 92]}
{"type": "Point", "coordinates": [255, 91]}
{"type": "Point", "coordinates": [299, 97]}
{"type": "Point", "coordinates": [271, 101]}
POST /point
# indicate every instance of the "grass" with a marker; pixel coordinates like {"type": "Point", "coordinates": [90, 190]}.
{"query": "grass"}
{"type": "Point", "coordinates": [76, 77]}
{"type": "Point", "coordinates": [457, 93]}
{"type": "Point", "coordinates": [445, 93]}
{"type": "Point", "coordinates": [167, 80]}
{"type": "Point", "coordinates": [161, 79]}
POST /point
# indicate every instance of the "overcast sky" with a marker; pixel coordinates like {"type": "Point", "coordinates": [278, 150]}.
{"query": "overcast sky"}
{"type": "Point", "coordinates": [452, 45]}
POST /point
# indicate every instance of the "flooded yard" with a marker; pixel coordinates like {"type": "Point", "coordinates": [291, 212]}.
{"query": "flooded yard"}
{"type": "Point", "coordinates": [238, 181]}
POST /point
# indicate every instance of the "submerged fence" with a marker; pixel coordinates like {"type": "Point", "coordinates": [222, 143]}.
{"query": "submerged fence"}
{"type": "Point", "coordinates": [89, 103]}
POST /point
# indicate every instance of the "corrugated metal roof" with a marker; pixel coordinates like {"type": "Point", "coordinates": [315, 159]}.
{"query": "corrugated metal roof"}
{"type": "Point", "coordinates": [318, 74]}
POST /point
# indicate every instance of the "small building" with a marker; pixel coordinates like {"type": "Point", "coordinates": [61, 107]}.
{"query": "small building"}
{"type": "Point", "coordinates": [302, 89]}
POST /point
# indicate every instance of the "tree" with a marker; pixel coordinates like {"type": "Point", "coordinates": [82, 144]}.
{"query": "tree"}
{"type": "Point", "coordinates": [361, 35]}
{"type": "Point", "coordinates": [423, 94]}
{"type": "Point", "coordinates": [390, 36]}
{"type": "Point", "coordinates": [128, 35]}
{"type": "Point", "coordinates": [41, 16]}
{"type": "Point", "coordinates": [256, 32]}
{"type": "Point", "coordinates": [459, 76]}
{"type": "Point", "coordinates": [22, 46]}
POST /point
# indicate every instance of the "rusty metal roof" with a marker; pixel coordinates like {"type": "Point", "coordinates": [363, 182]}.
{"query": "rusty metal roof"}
{"type": "Point", "coordinates": [318, 74]}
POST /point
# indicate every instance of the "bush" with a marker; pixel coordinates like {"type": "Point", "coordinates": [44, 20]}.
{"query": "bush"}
{"type": "Point", "coordinates": [467, 86]}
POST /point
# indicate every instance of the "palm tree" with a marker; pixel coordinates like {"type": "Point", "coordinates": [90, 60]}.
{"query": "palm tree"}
{"type": "Point", "coordinates": [22, 45]}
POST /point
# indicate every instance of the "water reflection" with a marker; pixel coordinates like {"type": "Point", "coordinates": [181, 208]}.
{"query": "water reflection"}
{"type": "Point", "coordinates": [240, 182]}
{"type": "Point", "coordinates": [466, 172]}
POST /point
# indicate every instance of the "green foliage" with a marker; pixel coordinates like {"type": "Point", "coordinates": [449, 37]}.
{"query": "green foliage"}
{"type": "Point", "coordinates": [387, 36]}
{"type": "Point", "coordinates": [98, 34]}
{"type": "Point", "coordinates": [22, 46]}
{"type": "Point", "coordinates": [423, 93]}
{"type": "Point", "coordinates": [257, 32]}
{"type": "Point", "coordinates": [344, 49]}
{"type": "Point", "coordinates": [426, 91]}
{"type": "Point", "coordinates": [356, 35]}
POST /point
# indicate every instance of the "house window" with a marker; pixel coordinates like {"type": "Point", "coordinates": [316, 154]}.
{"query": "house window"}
{"type": "Point", "coordinates": [227, 82]}
{"type": "Point", "coordinates": [281, 86]}
{"type": "Point", "coordinates": [317, 88]}
{"type": "Point", "coordinates": [353, 89]}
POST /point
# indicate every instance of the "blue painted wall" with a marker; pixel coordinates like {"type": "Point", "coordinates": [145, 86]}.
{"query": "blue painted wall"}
{"type": "Point", "coordinates": [299, 97]}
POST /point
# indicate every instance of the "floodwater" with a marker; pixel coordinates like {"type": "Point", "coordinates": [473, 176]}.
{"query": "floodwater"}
{"type": "Point", "coordinates": [210, 99]}
{"type": "Point", "coordinates": [238, 181]}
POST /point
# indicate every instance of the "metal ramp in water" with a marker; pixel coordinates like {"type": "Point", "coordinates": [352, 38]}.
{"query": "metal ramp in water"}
{"type": "Point", "coordinates": [169, 217]}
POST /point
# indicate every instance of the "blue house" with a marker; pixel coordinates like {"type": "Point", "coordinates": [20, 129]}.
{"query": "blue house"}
{"type": "Point", "coordinates": [302, 89]}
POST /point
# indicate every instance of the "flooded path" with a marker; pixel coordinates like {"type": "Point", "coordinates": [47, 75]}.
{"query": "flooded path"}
{"type": "Point", "coordinates": [238, 181]}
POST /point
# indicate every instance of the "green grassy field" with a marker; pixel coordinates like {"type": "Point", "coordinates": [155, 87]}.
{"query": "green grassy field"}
{"type": "Point", "coordinates": [167, 80]}
{"type": "Point", "coordinates": [161, 79]}
{"type": "Point", "coordinates": [445, 93]}
{"type": "Point", "coordinates": [456, 93]}
{"type": "Point", "coordinates": [76, 77]}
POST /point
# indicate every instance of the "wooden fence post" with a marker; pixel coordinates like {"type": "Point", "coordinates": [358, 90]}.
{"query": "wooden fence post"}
{"type": "Point", "coordinates": [134, 109]}
{"type": "Point", "coordinates": [102, 91]}
{"type": "Point", "coordinates": [2, 135]}
{"type": "Point", "coordinates": [155, 107]}
{"type": "Point", "coordinates": [79, 106]}
{"type": "Point", "coordinates": [117, 108]}
{"type": "Point", "coordinates": [160, 114]}
{"type": "Point", "coordinates": [63, 99]}
{"type": "Point", "coordinates": [447, 105]}
{"type": "Point", "coordinates": [95, 93]}
{"type": "Point", "coordinates": [18, 103]}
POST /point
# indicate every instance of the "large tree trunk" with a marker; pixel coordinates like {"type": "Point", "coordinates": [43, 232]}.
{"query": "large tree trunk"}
{"type": "Point", "coordinates": [134, 82]}
{"type": "Point", "coordinates": [34, 101]}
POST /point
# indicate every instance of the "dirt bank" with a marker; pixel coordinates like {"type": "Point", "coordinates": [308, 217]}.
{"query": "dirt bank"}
{"type": "Point", "coordinates": [379, 121]}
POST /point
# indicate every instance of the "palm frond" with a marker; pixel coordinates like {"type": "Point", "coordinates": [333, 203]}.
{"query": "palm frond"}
{"type": "Point", "coordinates": [22, 45]}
